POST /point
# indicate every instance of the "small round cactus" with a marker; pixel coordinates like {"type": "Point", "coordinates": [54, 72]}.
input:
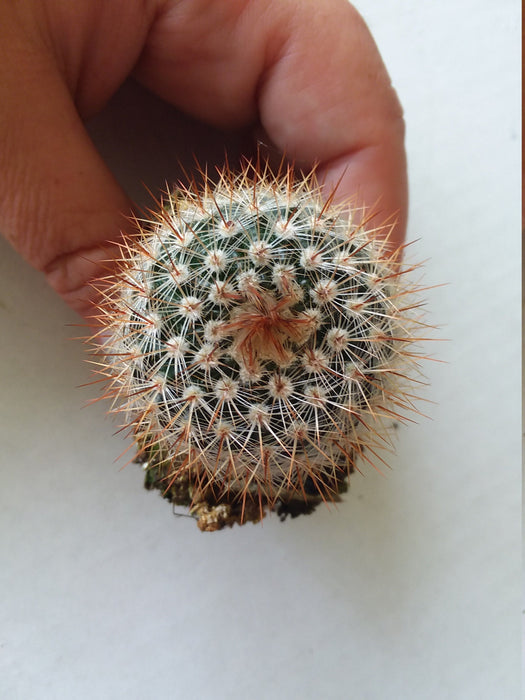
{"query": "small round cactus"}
{"type": "Point", "coordinates": [258, 341]}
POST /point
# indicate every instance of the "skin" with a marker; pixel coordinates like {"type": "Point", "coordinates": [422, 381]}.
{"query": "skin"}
{"type": "Point", "coordinates": [307, 71]}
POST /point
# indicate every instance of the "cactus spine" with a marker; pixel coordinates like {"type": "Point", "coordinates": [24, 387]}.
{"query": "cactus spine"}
{"type": "Point", "coordinates": [257, 340]}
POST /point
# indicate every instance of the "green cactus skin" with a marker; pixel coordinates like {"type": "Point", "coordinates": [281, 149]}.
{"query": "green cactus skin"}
{"type": "Point", "coordinates": [259, 342]}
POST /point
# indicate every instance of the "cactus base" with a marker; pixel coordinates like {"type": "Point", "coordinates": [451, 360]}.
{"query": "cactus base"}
{"type": "Point", "coordinates": [214, 511]}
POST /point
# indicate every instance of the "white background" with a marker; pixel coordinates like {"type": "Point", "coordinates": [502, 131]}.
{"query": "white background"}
{"type": "Point", "coordinates": [411, 588]}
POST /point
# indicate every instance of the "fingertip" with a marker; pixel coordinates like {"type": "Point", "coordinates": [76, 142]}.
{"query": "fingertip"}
{"type": "Point", "coordinates": [374, 181]}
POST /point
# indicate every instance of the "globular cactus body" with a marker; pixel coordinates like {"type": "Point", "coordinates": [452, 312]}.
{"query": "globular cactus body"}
{"type": "Point", "coordinates": [257, 341]}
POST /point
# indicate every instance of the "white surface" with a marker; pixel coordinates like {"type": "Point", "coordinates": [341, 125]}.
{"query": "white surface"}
{"type": "Point", "coordinates": [412, 588]}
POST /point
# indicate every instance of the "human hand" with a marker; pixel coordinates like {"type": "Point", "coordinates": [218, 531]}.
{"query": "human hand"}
{"type": "Point", "coordinates": [307, 71]}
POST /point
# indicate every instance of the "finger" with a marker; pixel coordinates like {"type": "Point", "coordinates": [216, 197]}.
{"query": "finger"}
{"type": "Point", "coordinates": [341, 111]}
{"type": "Point", "coordinates": [58, 201]}
{"type": "Point", "coordinates": [309, 71]}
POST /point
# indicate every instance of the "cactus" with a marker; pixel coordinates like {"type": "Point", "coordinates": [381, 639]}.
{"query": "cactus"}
{"type": "Point", "coordinates": [258, 341]}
